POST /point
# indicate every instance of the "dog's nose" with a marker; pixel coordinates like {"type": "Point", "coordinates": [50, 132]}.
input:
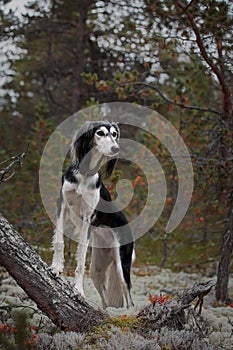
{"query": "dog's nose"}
{"type": "Point", "coordinates": [115, 149]}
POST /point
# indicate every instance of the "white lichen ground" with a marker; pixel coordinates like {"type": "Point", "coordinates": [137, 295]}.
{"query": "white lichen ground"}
{"type": "Point", "coordinates": [144, 281]}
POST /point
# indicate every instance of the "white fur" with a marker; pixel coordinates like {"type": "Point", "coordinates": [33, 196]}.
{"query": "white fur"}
{"type": "Point", "coordinates": [80, 201]}
{"type": "Point", "coordinates": [105, 143]}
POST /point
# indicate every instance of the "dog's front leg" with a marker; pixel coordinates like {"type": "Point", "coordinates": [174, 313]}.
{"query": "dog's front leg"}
{"type": "Point", "coordinates": [81, 259]}
{"type": "Point", "coordinates": [58, 246]}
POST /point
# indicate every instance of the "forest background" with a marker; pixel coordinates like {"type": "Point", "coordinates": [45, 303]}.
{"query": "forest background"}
{"type": "Point", "coordinates": [174, 57]}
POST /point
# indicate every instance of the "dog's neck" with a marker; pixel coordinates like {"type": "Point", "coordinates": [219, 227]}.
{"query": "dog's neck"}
{"type": "Point", "coordinates": [91, 163]}
{"type": "Point", "coordinates": [96, 162]}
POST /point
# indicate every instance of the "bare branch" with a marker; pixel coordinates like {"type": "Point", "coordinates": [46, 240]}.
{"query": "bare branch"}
{"type": "Point", "coordinates": [7, 173]}
{"type": "Point", "coordinates": [166, 99]}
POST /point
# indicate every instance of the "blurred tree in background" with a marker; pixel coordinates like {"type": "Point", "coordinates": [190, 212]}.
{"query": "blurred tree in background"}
{"type": "Point", "coordinates": [172, 56]}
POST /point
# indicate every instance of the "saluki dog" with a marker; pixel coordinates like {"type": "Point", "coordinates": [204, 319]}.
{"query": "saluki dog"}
{"type": "Point", "coordinates": [86, 203]}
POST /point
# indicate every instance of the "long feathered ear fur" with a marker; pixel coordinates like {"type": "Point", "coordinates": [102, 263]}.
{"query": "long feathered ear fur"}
{"type": "Point", "coordinates": [111, 163]}
{"type": "Point", "coordinates": [81, 143]}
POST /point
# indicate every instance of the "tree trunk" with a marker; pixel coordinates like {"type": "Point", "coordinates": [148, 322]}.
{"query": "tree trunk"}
{"type": "Point", "coordinates": [52, 295]}
{"type": "Point", "coordinates": [224, 263]}
{"type": "Point", "coordinates": [79, 54]}
{"type": "Point", "coordinates": [220, 69]}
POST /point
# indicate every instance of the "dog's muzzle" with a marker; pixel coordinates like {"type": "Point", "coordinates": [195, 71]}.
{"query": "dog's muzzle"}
{"type": "Point", "coordinates": [115, 149]}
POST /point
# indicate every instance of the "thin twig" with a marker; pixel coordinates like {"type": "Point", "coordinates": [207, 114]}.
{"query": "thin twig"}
{"type": "Point", "coordinates": [7, 173]}
{"type": "Point", "coordinates": [166, 99]}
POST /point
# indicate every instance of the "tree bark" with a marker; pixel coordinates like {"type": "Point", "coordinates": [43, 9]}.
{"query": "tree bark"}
{"type": "Point", "coordinates": [220, 70]}
{"type": "Point", "coordinates": [52, 295]}
{"type": "Point", "coordinates": [221, 291]}
{"type": "Point", "coordinates": [79, 54]}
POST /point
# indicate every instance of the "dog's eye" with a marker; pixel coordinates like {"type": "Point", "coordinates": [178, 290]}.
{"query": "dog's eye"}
{"type": "Point", "coordinates": [100, 133]}
{"type": "Point", "coordinates": [114, 134]}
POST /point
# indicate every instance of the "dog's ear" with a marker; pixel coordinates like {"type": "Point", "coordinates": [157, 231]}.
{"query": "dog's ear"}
{"type": "Point", "coordinates": [81, 143]}
{"type": "Point", "coordinates": [111, 163]}
{"type": "Point", "coordinates": [117, 130]}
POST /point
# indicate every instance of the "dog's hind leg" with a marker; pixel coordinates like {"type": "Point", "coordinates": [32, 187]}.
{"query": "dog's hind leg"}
{"type": "Point", "coordinates": [126, 254]}
{"type": "Point", "coordinates": [98, 267]}
{"type": "Point", "coordinates": [101, 260]}
{"type": "Point", "coordinates": [117, 288]}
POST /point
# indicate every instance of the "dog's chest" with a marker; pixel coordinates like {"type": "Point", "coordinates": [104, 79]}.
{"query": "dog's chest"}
{"type": "Point", "coordinates": [86, 185]}
{"type": "Point", "coordinates": [83, 195]}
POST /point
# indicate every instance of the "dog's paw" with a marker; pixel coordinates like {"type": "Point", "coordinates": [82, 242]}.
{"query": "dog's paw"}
{"type": "Point", "coordinates": [56, 269]}
{"type": "Point", "coordinates": [130, 304]}
{"type": "Point", "coordinates": [79, 292]}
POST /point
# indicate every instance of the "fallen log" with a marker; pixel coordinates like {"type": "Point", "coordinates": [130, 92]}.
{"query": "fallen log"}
{"type": "Point", "coordinates": [53, 296]}
{"type": "Point", "coordinates": [166, 311]}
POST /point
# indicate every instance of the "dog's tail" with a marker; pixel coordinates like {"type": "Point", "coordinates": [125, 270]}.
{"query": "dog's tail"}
{"type": "Point", "coordinates": [114, 287]}
{"type": "Point", "coordinates": [106, 269]}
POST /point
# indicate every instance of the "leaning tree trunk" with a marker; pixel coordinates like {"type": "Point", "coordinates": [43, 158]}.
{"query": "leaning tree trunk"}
{"type": "Point", "coordinates": [52, 295]}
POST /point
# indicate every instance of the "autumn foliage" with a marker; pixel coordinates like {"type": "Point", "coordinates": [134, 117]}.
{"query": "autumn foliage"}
{"type": "Point", "coordinates": [160, 299]}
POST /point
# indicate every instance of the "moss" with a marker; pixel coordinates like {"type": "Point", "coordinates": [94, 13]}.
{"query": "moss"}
{"type": "Point", "coordinates": [97, 333]}
{"type": "Point", "coordinates": [125, 322]}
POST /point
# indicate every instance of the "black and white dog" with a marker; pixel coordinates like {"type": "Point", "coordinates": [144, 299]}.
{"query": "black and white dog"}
{"type": "Point", "coordinates": [81, 202]}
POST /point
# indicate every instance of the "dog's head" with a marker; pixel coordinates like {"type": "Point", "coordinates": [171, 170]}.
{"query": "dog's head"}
{"type": "Point", "coordinates": [103, 136]}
